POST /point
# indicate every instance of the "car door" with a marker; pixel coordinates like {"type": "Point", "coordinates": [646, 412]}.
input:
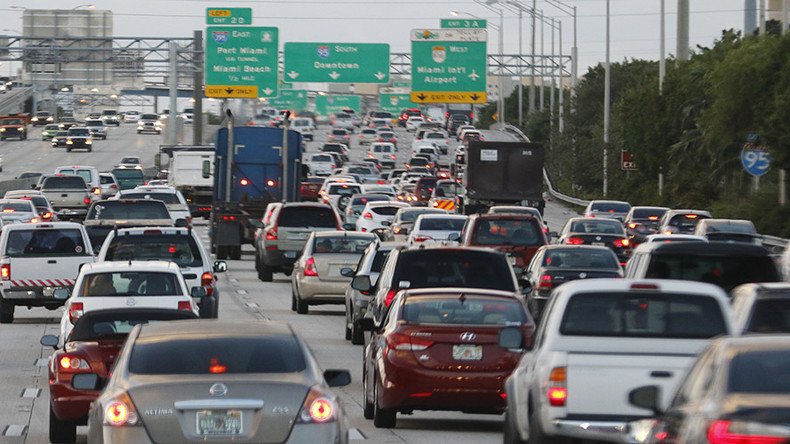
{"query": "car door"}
{"type": "Point", "coordinates": [689, 400]}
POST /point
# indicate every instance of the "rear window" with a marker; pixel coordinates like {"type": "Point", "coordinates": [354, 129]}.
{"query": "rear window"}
{"type": "Point", "coordinates": [434, 136]}
{"type": "Point", "coordinates": [467, 311]}
{"type": "Point", "coordinates": [507, 232]}
{"type": "Point", "coordinates": [385, 211]}
{"type": "Point", "coordinates": [321, 158]}
{"type": "Point", "coordinates": [85, 174]}
{"type": "Point", "coordinates": [359, 170]}
{"type": "Point", "coordinates": [66, 242]}
{"type": "Point", "coordinates": [80, 132]}
{"type": "Point", "coordinates": [168, 198]}
{"type": "Point", "coordinates": [13, 207]}
{"type": "Point", "coordinates": [686, 223]}
{"type": "Point", "coordinates": [411, 216]}
{"type": "Point", "coordinates": [387, 135]}
{"type": "Point", "coordinates": [438, 224]}
{"type": "Point", "coordinates": [611, 207]}
{"type": "Point", "coordinates": [361, 201]}
{"type": "Point", "coordinates": [137, 209]}
{"type": "Point", "coordinates": [65, 182]}
{"type": "Point", "coordinates": [725, 271]}
{"type": "Point", "coordinates": [177, 248]}
{"type": "Point", "coordinates": [130, 173]}
{"type": "Point", "coordinates": [205, 356]}
{"type": "Point", "coordinates": [454, 268]}
{"type": "Point", "coordinates": [379, 260]}
{"type": "Point", "coordinates": [648, 213]}
{"type": "Point", "coordinates": [597, 227]}
{"type": "Point", "coordinates": [341, 245]}
{"type": "Point", "coordinates": [762, 371]}
{"type": "Point", "coordinates": [344, 190]}
{"type": "Point", "coordinates": [120, 323]}
{"type": "Point", "coordinates": [652, 315]}
{"type": "Point", "coordinates": [339, 132]}
{"type": "Point", "coordinates": [770, 315]}
{"type": "Point", "coordinates": [106, 180]}
{"type": "Point", "coordinates": [307, 217]}
{"type": "Point", "coordinates": [418, 161]}
{"type": "Point", "coordinates": [131, 283]}
{"type": "Point", "coordinates": [585, 258]}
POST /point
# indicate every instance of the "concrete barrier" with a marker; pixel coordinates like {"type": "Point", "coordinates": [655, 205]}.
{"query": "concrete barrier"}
{"type": "Point", "coordinates": [17, 184]}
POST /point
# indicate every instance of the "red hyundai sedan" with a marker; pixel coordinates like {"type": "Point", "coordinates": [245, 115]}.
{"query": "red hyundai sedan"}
{"type": "Point", "coordinates": [444, 349]}
{"type": "Point", "coordinates": [91, 347]}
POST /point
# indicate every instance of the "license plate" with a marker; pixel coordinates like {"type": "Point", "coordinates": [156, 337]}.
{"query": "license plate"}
{"type": "Point", "coordinates": [290, 254]}
{"type": "Point", "coordinates": [465, 352]}
{"type": "Point", "coordinates": [218, 423]}
{"type": "Point", "coordinates": [600, 244]}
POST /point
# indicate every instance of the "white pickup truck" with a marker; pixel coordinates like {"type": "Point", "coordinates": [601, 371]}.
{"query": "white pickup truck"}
{"type": "Point", "coordinates": [37, 259]}
{"type": "Point", "coordinates": [601, 339]}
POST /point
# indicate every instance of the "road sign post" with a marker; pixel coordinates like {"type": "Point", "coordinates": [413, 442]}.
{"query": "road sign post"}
{"type": "Point", "coordinates": [330, 104]}
{"type": "Point", "coordinates": [627, 161]}
{"type": "Point", "coordinates": [337, 62]}
{"type": "Point", "coordinates": [448, 65]}
{"type": "Point", "coordinates": [228, 16]}
{"type": "Point", "coordinates": [290, 99]}
{"type": "Point", "coordinates": [241, 62]}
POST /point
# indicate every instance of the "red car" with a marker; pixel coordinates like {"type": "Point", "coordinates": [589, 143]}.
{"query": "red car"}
{"type": "Point", "coordinates": [91, 347]}
{"type": "Point", "coordinates": [444, 349]}
{"type": "Point", "coordinates": [517, 235]}
{"type": "Point", "coordinates": [309, 188]}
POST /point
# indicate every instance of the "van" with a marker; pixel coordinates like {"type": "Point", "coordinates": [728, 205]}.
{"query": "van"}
{"type": "Point", "coordinates": [305, 126]}
{"type": "Point", "coordinates": [89, 173]}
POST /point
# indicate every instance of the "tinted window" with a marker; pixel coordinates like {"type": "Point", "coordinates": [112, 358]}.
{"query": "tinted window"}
{"type": "Point", "coordinates": [597, 227]}
{"type": "Point", "coordinates": [764, 371]}
{"type": "Point", "coordinates": [131, 283]}
{"type": "Point", "coordinates": [770, 315]}
{"type": "Point", "coordinates": [339, 132]}
{"type": "Point", "coordinates": [168, 198]}
{"type": "Point", "coordinates": [93, 326]}
{"type": "Point", "coordinates": [81, 132]}
{"type": "Point", "coordinates": [137, 209]}
{"type": "Point", "coordinates": [581, 258]}
{"type": "Point", "coordinates": [411, 216]}
{"type": "Point", "coordinates": [644, 213]}
{"type": "Point", "coordinates": [106, 180]}
{"type": "Point", "coordinates": [344, 190]}
{"type": "Point", "coordinates": [307, 217]}
{"type": "Point", "coordinates": [642, 315]}
{"type": "Point", "coordinates": [507, 232]}
{"type": "Point", "coordinates": [725, 271]}
{"type": "Point", "coordinates": [321, 158]}
{"type": "Point", "coordinates": [418, 161]}
{"type": "Point", "coordinates": [468, 311]}
{"type": "Point", "coordinates": [85, 174]}
{"type": "Point", "coordinates": [203, 356]}
{"type": "Point", "coordinates": [454, 268]}
{"type": "Point", "coordinates": [611, 207]}
{"type": "Point", "coordinates": [686, 223]}
{"type": "Point", "coordinates": [149, 117]}
{"type": "Point", "coordinates": [13, 207]}
{"type": "Point", "coordinates": [180, 249]}
{"type": "Point", "coordinates": [385, 211]}
{"type": "Point", "coordinates": [341, 245]}
{"type": "Point", "coordinates": [65, 182]}
{"type": "Point", "coordinates": [442, 224]}
{"type": "Point", "coordinates": [45, 242]}
{"type": "Point", "coordinates": [38, 201]}
{"type": "Point", "coordinates": [378, 261]}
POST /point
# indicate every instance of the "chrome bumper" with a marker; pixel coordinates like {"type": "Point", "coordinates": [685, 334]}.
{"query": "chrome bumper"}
{"type": "Point", "coordinates": [611, 431]}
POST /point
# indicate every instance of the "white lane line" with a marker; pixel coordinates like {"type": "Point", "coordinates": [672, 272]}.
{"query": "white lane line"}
{"type": "Point", "coordinates": [31, 393]}
{"type": "Point", "coordinates": [253, 305]}
{"type": "Point", "coordinates": [42, 362]}
{"type": "Point", "coordinates": [15, 430]}
{"type": "Point", "coordinates": [355, 435]}
{"type": "Point", "coordinates": [240, 291]}
{"type": "Point", "coordinates": [234, 280]}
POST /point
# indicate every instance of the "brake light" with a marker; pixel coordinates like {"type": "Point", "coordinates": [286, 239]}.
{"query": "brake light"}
{"type": "Point", "coordinates": [206, 279]}
{"type": "Point", "coordinates": [271, 183]}
{"type": "Point", "coordinates": [271, 234]}
{"type": "Point", "coordinates": [215, 367]}
{"type": "Point", "coordinates": [399, 341]}
{"type": "Point", "coordinates": [230, 218]}
{"type": "Point", "coordinates": [87, 201]}
{"type": "Point", "coordinates": [574, 241]}
{"type": "Point", "coordinates": [621, 243]}
{"type": "Point", "coordinates": [121, 412]}
{"type": "Point", "coordinates": [691, 216]}
{"type": "Point", "coordinates": [729, 432]}
{"type": "Point", "coordinates": [5, 272]}
{"type": "Point", "coordinates": [47, 216]}
{"type": "Point", "coordinates": [390, 296]}
{"type": "Point", "coordinates": [545, 282]}
{"type": "Point", "coordinates": [367, 215]}
{"type": "Point", "coordinates": [184, 305]}
{"type": "Point", "coordinates": [244, 182]}
{"type": "Point", "coordinates": [652, 217]}
{"type": "Point", "coordinates": [72, 364]}
{"type": "Point", "coordinates": [421, 238]}
{"type": "Point", "coordinates": [76, 310]}
{"type": "Point", "coordinates": [317, 408]}
{"type": "Point", "coordinates": [309, 267]}
{"type": "Point", "coordinates": [558, 390]}
{"type": "Point", "coordinates": [97, 191]}
{"type": "Point", "coordinates": [632, 225]}
{"type": "Point", "coordinates": [644, 286]}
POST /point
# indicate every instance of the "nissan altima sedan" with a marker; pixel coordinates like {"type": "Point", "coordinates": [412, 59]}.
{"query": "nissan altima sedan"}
{"type": "Point", "coordinates": [217, 381]}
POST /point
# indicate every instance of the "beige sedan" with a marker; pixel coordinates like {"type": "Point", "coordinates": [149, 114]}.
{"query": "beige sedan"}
{"type": "Point", "coordinates": [318, 276]}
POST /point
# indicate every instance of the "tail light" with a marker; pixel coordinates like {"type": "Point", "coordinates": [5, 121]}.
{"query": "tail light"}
{"type": "Point", "coordinates": [206, 279]}
{"type": "Point", "coordinates": [46, 216]}
{"type": "Point", "coordinates": [739, 432]}
{"type": "Point", "coordinates": [244, 182]}
{"type": "Point", "coordinates": [421, 238]}
{"type": "Point", "coordinates": [368, 215]}
{"type": "Point", "coordinates": [317, 408]}
{"type": "Point", "coordinates": [96, 191]}
{"type": "Point", "coordinates": [271, 183]}
{"type": "Point", "coordinates": [633, 225]}
{"type": "Point", "coordinates": [34, 220]}
{"type": "Point", "coordinates": [394, 157]}
{"type": "Point", "coordinates": [558, 389]}
{"type": "Point", "coordinates": [399, 341]}
{"type": "Point", "coordinates": [72, 364]}
{"type": "Point", "coordinates": [620, 243]}
{"type": "Point", "coordinates": [545, 282]}
{"type": "Point", "coordinates": [87, 201]}
{"type": "Point", "coordinates": [184, 305]}
{"type": "Point", "coordinates": [229, 218]}
{"type": "Point", "coordinates": [574, 241]}
{"type": "Point", "coordinates": [76, 310]}
{"type": "Point", "coordinates": [271, 234]}
{"type": "Point", "coordinates": [121, 412]}
{"type": "Point", "coordinates": [309, 267]}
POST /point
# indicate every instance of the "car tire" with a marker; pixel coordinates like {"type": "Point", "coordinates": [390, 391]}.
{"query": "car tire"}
{"type": "Point", "coordinates": [68, 150]}
{"type": "Point", "coordinates": [347, 328]}
{"type": "Point", "coordinates": [511, 435]}
{"type": "Point", "coordinates": [139, 132]}
{"type": "Point", "coordinates": [293, 298]}
{"type": "Point", "coordinates": [265, 273]}
{"type": "Point", "coordinates": [90, 150]}
{"type": "Point", "coordinates": [302, 307]}
{"type": "Point", "coordinates": [235, 253]}
{"type": "Point", "coordinates": [357, 334]}
{"type": "Point", "coordinates": [222, 252]}
{"type": "Point", "coordinates": [6, 312]}
{"type": "Point", "coordinates": [536, 434]}
{"type": "Point", "coordinates": [367, 406]}
{"type": "Point", "coordinates": [61, 431]}
{"type": "Point", "coordinates": [382, 418]}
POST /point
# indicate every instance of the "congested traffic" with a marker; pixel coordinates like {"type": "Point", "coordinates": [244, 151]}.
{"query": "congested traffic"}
{"type": "Point", "coordinates": [458, 291]}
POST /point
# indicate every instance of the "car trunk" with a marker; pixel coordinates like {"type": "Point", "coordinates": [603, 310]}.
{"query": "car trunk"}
{"type": "Point", "coordinates": [240, 415]}
{"type": "Point", "coordinates": [93, 303]}
{"type": "Point", "coordinates": [55, 271]}
{"type": "Point", "coordinates": [329, 265]}
{"type": "Point", "coordinates": [563, 275]}
{"type": "Point", "coordinates": [477, 351]}
{"type": "Point", "coordinates": [291, 240]}
{"type": "Point", "coordinates": [103, 350]}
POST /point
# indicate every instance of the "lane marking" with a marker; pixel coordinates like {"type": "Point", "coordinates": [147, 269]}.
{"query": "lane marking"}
{"type": "Point", "coordinates": [31, 393]}
{"type": "Point", "coordinates": [355, 435]}
{"type": "Point", "coordinates": [253, 305]}
{"type": "Point", "coordinates": [15, 430]}
{"type": "Point", "coordinates": [42, 362]}
{"type": "Point", "coordinates": [234, 280]}
{"type": "Point", "coordinates": [241, 291]}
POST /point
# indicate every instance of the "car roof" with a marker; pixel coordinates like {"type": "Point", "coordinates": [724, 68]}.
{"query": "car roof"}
{"type": "Point", "coordinates": [141, 231]}
{"type": "Point", "coordinates": [14, 200]}
{"type": "Point", "coordinates": [305, 205]}
{"type": "Point", "coordinates": [700, 248]}
{"type": "Point", "coordinates": [44, 226]}
{"type": "Point", "coordinates": [609, 202]}
{"type": "Point", "coordinates": [575, 247]}
{"type": "Point", "coordinates": [673, 213]}
{"type": "Point", "coordinates": [637, 285]}
{"type": "Point", "coordinates": [750, 343]}
{"type": "Point", "coordinates": [442, 216]}
{"type": "Point", "coordinates": [119, 266]}
{"type": "Point", "coordinates": [215, 328]}
{"type": "Point", "coordinates": [344, 233]}
{"type": "Point", "coordinates": [445, 291]}
{"type": "Point", "coordinates": [505, 216]}
{"type": "Point", "coordinates": [388, 203]}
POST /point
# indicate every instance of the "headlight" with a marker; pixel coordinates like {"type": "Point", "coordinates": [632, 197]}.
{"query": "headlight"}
{"type": "Point", "coordinates": [2, 130]}
{"type": "Point", "coordinates": [49, 119]}
{"type": "Point", "coordinates": [88, 142]}
{"type": "Point", "coordinates": [69, 142]}
{"type": "Point", "coordinates": [34, 119]}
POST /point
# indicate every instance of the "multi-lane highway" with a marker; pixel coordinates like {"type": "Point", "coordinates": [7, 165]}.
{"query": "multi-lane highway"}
{"type": "Point", "coordinates": [24, 411]}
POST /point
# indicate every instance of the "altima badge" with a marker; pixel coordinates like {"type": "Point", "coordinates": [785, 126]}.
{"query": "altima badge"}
{"type": "Point", "coordinates": [218, 390]}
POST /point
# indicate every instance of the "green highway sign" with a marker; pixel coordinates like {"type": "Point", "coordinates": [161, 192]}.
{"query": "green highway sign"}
{"type": "Point", "coordinates": [292, 99]}
{"type": "Point", "coordinates": [464, 23]}
{"type": "Point", "coordinates": [337, 62]}
{"type": "Point", "coordinates": [395, 103]}
{"type": "Point", "coordinates": [241, 62]}
{"type": "Point", "coordinates": [401, 84]}
{"type": "Point", "coordinates": [330, 104]}
{"type": "Point", "coordinates": [228, 16]}
{"type": "Point", "coordinates": [448, 65]}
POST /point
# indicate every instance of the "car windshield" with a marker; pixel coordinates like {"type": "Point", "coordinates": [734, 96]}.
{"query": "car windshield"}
{"type": "Point", "coordinates": [507, 232]}
{"type": "Point", "coordinates": [94, 123]}
{"type": "Point", "coordinates": [61, 242]}
{"type": "Point", "coordinates": [597, 227]}
{"type": "Point", "coordinates": [179, 248]}
{"type": "Point", "coordinates": [585, 258]}
{"type": "Point", "coordinates": [130, 283]}
{"type": "Point", "coordinates": [168, 198]}
{"type": "Point", "coordinates": [149, 117]}
{"type": "Point", "coordinates": [725, 271]}
{"type": "Point", "coordinates": [341, 245]}
{"type": "Point", "coordinates": [760, 371]}
{"type": "Point", "coordinates": [339, 132]}
{"type": "Point", "coordinates": [79, 132]}
{"type": "Point", "coordinates": [454, 268]}
{"type": "Point", "coordinates": [344, 190]}
{"type": "Point", "coordinates": [770, 315]}
{"type": "Point", "coordinates": [307, 217]}
{"type": "Point", "coordinates": [85, 174]}
{"type": "Point", "coordinates": [441, 224]}
{"type": "Point", "coordinates": [469, 310]}
{"type": "Point", "coordinates": [610, 207]}
{"type": "Point", "coordinates": [212, 355]}
{"type": "Point", "coordinates": [64, 182]}
{"type": "Point", "coordinates": [134, 209]}
{"type": "Point", "coordinates": [647, 314]}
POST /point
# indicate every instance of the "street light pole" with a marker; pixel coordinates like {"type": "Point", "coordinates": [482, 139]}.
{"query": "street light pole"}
{"type": "Point", "coordinates": [501, 112]}
{"type": "Point", "coordinates": [662, 61]}
{"type": "Point", "coordinates": [532, 62]}
{"type": "Point", "coordinates": [520, 70]}
{"type": "Point", "coordinates": [561, 90]}
{"type": "Point", "coordinates": [606, 93]}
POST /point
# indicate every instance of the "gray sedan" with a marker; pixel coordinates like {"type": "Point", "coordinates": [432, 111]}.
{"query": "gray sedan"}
{"type": "Point", "coordinates": [217, 381]}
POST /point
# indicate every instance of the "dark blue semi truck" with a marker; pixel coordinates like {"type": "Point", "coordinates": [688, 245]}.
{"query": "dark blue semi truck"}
{"type": "Point", "coordinates": [255, 181]}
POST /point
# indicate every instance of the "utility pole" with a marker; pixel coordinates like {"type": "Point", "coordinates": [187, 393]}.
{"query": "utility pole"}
{"type": "Point", "coordinates": [197, 89]}
{"type": "Point", "coordinates": [762, 17]}
{"type": "Point", "coordinates": [662, 61]}
{"type": "Point", "coordinates": [543, 65]}
{"type": "Point", "coordinates": [561, 90]}
{"type": "Point", "coordinates": [172, 118]}
{"type": "Point", "coordinates": [520, 69]}
{"type": "Point", "coordinates": [606, 93]}
{"type": "Point", "coordinates": [683, 30]}
{"type": "Point", "coordinates": [532, 62]}
{"type": "Point", "coordinates": [749, 17]}
{"type": "Point", "coordinates": [501, 101]}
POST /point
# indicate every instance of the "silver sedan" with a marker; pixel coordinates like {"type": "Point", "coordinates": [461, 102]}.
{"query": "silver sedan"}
{"type": "Point", "coordinates": [217, 381]}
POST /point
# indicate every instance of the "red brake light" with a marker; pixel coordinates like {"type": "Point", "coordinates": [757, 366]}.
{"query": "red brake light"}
{"type": "Point", "coordinates": [421, 238]}
{"type": "Point", "coordinates": [76, 309]}
{"type": "Point", "coordinates": [390, 296]}
{"type": "Point", "coordinates": [633, 225]}
{"type": "Point", "coordinates": [309, 267]}
{"type": "Point", "coordinates": [96, 191]}
{"type": "Point", "coordinates": [367, 215]}
{"type": "Point", "coordinates": [545, 282]}
{"type": "Point", "coordinates": [691, 216]}
{"type": "Point", "coordinates": [558, 389]}
{"type": "Point", "coordinates": [621, 243]}
{"type": "Point", "coordinates": [399, 341]}
{"type": "Point", "coordinates": [271, 234]}
{"type": "Point", "coordinates": [574, 241]}
{"type": "Point", "coordinates": [87, 200]}
{"type": "Point", "coordinates": [120, 412]}
{"type": "Point", "coordinates": [215, 367]}
{"type": "Point", "coordinates": [206, 279]}
{"type": "Point", "coordinates": [643, 286]}
{"type": "Point", "coordinates": [725, 432]}
{"type": "Point", "coordinates": [72, 364]}
{"type": "Point", "coordinates": [46, 215]}
{"type": "Point", "coordinates": [185, 305]}
{"type": "Point", "coordinates": [652, 217]}
{"type": "Point", "coordinates": [5, 272]}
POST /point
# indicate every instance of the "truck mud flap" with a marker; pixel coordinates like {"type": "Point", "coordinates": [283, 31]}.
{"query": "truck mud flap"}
{"type": "Point", "coordinates": [228, 233]}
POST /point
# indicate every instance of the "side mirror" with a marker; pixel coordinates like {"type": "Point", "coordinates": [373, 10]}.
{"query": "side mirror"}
{"type": "Point", "coordinates": [220, 266]}
{"type": "Point", "coordinates": [181, 223]}
{"type": "Point", "coordinates": [61, 294]}
{"type": "Point", "coordinates": [518, 270]}
{"type": "Point", "coordinates": [553, 235]}
{"type": "Point", "coordinates": [206, 169]}
{"type": "Point", "coordinates": [455, 237]}
{"type": "Point", "coordinates": [158, 160]}
{"type": "Point", "coordinates": [367, 324]}
{"type": "Point", "coordinates": [87, 381]}
{"type": "Point", "coordinates": [361, 283]}
{"type": "Point", "coordinates": [646, 397]}
{"type": "Point", "coordinates": [257, 223]}
{"type": "Point", "coordinates": [347, 272]}
{"type": "Point", "coordinates": [337, 378]}
{"type": "Point", "coordinates": [511, 338]}
{"type": "Point", "coordinates": [198, 292]}
{"type": "Point", "coordinates": [49, 341]}
{"type": "Point", "coordinates": [349, 227]}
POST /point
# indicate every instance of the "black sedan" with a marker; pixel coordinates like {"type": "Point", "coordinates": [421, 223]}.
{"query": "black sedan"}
{"type": "Point", "coordinates": [597, 231]}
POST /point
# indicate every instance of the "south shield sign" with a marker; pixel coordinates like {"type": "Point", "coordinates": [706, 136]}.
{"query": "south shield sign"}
{"type": "Point", "coordinates": [337, 62]}
{"type": "Point", "coordinates": [395, 103]}
{"type": "Point", "coordinates": [327, 104]}
{"type": "Point", "coordinates": [448, 65]}
{"type": "Point", "coordinates": [241, 62]}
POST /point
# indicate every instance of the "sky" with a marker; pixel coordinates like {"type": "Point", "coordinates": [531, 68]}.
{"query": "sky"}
{"type": "Point", "coordinates": [634, 23]}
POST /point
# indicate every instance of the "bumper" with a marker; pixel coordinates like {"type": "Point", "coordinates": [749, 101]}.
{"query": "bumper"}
{"type": "Point", "coordinates": [69, 404]}
{"type": "Point", "coordinates": [359, 306]}
{"type": "Point", "coordinates": [31, 296]}
{"type": "Point", "coordinates": [280, 258]}
{"type": "Point", "coordinates": [314, 290]}
{"type": "Point", "coordinates": [611, 431]}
